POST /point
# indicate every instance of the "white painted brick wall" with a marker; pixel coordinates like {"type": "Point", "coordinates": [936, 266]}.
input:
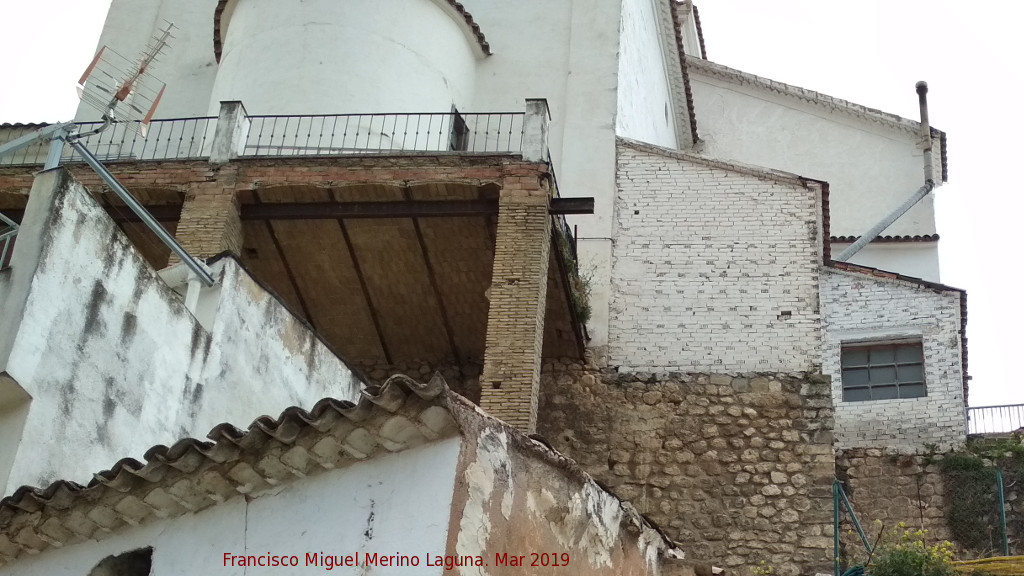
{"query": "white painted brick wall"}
{"type": "Point", "coordinates": [707, 257]}
{"type": "Point", "coordinates": [857, 307]}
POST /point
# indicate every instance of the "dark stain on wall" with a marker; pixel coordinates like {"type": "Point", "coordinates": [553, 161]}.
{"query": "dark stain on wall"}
{"type": "Point", "coordinates": [94, 325]}
{"type": "Point", "coordinates": [129, 323]}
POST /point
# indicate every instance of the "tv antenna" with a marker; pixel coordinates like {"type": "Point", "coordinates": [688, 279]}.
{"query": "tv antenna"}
{"type": "Point", "coordinates": [123, 90]}
{"type": "Point", "coordinates": [125, 93]}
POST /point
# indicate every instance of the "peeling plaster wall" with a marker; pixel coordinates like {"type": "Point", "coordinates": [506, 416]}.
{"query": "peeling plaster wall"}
{"type": "Point", "coordinates": [397, 503]}
{"type": "Point", "coordinates": [509, 501]}
{"type": "Point", "coordinates": [114, 362]}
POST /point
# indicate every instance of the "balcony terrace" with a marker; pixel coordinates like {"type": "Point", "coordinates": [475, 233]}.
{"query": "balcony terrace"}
{"type": "Point", "coordinates": [380, 230]}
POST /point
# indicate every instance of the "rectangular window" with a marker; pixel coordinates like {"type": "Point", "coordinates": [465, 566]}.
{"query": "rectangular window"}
{"type": "Point", "coordinates": [882, 371]}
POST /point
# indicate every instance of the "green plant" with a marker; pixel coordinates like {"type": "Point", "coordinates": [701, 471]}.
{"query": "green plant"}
{"type": "Point", "coordinates": [762, 569]}
{"type": "Point", "coordinates": [579, 280]}
{"type": "Point", "coordinates": [905, 552]}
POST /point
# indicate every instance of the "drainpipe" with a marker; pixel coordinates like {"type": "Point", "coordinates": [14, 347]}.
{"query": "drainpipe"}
{"type": "Point", "coordinates": [929, 184]}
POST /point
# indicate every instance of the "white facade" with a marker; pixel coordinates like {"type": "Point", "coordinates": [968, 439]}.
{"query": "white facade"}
{"type": "Point", "coordinates": [870, 159]}
{"type": "Point", "coordinates": [608, 69]}
{"type": "Point", "coordinates": [377, 506]}
{"type": "Point", "coordinates": [715, 267]}
{"type": "Point", "coordinates": [349, 57]}
{"type": "Point", "coordinates": [861, 308]}
{"type": "Point", "coordinates": [101, 360]}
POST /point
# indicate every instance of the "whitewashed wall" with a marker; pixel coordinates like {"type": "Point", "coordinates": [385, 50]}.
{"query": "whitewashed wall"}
{"type": "Point", "coordinates": [357, 56]}
{"type": "Point", "coordinates": [715, 267]}
{"type": "Point", "coordinates": [914, 259]}
{"type": "Point", "coordinates": [645, 108]}
{"type": "Point", "coordinates": [398, 503]}
{"type": "Point", "coordinates": [870, 160]}
{"type": "Point", "coordinates": [188, 66]}
{"type": "Point", "coordinates": [858, 307]}
{"type": "Point", "coordinates": [115, 363]}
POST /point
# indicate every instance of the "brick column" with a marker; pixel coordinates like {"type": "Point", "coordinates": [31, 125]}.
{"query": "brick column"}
{"type": "Point", "coordinates": [515, 320]}
{"type": "Point", "coordinates": [210, 222]}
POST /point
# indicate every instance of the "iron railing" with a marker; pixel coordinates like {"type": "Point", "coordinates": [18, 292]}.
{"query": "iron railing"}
{"type": "Point", "coordinates": [167, 139]}
{"type": "Point", "coordinates": [495, 132]}
{"type": "Point", "coordinates": [995, 419]}
{"type": "Point", "coordinates": [7, 234]}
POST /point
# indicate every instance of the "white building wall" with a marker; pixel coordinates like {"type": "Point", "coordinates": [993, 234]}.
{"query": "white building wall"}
{"type": "Point", "coordinates": [188, 65]}
{"type": "Point", "coordinates": [914, 259]}
{"type": "Point", "coordinates": [715, 267]}
{"type": "Point", "coordinates": [566, 52]}
{"type": "Point", "coordinates": [398, 503]}
{"type": "Point", "coordinates": [857, 307]}
{"type": "Point", "coordinates": [113, 361]}
{"type": "Point", "coordinates": [871, 162]}
{"type": "Point", "coordinates": [645, 109]}
{"type": "Point", "coordinates": [357, 56]}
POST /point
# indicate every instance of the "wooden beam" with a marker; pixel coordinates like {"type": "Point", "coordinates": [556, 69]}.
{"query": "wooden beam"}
{"type": "Point", "coordinates": [344, 210]}
{"type": "Point", "coordinates": [407, 209]}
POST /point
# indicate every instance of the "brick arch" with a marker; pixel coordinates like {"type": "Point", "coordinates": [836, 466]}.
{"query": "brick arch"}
{"type": "Point", "coordinates": [466, 20]}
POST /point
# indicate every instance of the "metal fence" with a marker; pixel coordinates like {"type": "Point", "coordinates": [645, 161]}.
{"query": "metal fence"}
{"type": "Point", "coordinates": [495, 132]}
{"type": "Point", "coordinates": [192, 138]}
{"type": "Point", "coordinates": [995, 419]}
{"type": "Point", "coordinates": [976, 508]}
{"type": "Point", "coordinates": [167, 139]}
{"type": "Point", "coordinates": [8, 233]}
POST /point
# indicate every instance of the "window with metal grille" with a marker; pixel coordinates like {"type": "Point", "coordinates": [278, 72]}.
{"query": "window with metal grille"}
{"type": "Point", "coordinates": [882, 371]}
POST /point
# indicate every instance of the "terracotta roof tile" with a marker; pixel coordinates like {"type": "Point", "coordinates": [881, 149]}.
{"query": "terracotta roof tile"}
{"type": "Point", "coordinates": [195, 474]}
{"type": "Point", "coordinates": [885, 239]}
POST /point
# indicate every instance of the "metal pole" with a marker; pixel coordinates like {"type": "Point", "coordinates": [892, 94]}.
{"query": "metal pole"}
{"type": "Point", "coordinates": [856, 523]}
{"type": "Point", "coordinates": [1002, 511]}
{"type": "Point", "coordinates": [926, 129]}
{"type": "Point", "coordinates": [835, 527]}
{"type": "Point", "coordinates": [141, 212]}
{"type": "Point", "coordinates": [877, 229]}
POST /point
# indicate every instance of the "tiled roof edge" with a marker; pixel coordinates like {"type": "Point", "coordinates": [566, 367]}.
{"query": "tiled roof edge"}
{"type": "Point", "coordinates": [888, 239]}
{"type": "Point", "coordinates": [250, 461]}
{"type": "Point", "coordinates": [832, 103]}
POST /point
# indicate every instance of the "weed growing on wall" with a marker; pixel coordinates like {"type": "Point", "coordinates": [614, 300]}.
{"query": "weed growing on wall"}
{"type": "Point", "coordinates": [906, 552]}
{"type": "Point", "coordinates": [973, 505]}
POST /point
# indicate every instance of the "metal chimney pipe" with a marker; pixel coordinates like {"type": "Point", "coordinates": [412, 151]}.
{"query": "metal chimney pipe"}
{"type": "Point", "coordinates": [929, 183]}
{"type": "Point", "coordinates": [926, 129]}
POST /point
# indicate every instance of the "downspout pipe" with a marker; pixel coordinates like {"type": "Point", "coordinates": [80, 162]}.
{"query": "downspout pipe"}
{"type": "Point", "coordinates": [929, 183]}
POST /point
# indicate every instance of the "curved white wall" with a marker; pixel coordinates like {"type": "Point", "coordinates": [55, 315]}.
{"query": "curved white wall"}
{"type": "Point", "coordinates": [355, 56]}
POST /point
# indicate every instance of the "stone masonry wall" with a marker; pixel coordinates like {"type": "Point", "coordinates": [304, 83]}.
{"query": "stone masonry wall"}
{"type": "Point", "coordinates": [715, 266]}
{"type": "Point", "coordinates": [886, 487]}
{"type": "Point", "coordinates": [737, 468]}
{"type": "Point", "coordinates": [859, 307]}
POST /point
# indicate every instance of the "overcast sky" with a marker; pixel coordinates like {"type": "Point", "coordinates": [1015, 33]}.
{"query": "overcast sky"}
{"type": "Point", "coordinates": [871, 52]}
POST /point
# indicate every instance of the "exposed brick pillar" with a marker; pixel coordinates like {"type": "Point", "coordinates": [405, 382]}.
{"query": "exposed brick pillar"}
{"type": "Point", "coordinates": [210, 222]}
{"type": "Point", "coordinates": [515, 320]}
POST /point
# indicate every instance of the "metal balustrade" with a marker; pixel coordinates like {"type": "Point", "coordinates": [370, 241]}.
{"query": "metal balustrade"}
{"type": "Point", "coordinates": [308, 135]}
{"type": "Point", "coordinates": [8, 232]}
{"type": "Point", "coordinates": [493, 132]}
{"type": "Point", "coordinates": [995, 419]}
{"type": "Point", "coordinates": [167, 139]}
